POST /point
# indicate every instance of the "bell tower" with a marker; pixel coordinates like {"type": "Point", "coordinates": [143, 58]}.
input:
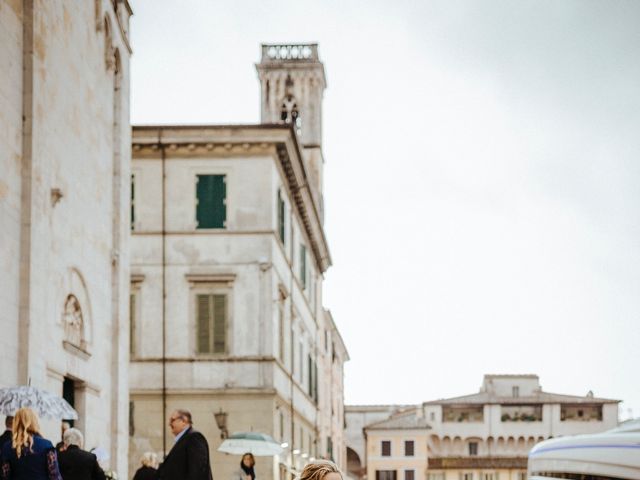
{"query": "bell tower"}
{"type": "Point", "coordinates": [292, 82]}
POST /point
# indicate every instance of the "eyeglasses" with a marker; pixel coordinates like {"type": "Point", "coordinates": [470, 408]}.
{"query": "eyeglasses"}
{"type": "Point", "coordinates": [173, 419]}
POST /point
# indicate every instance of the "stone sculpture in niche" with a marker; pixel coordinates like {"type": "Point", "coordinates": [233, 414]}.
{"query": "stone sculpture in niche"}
{"type": "Point", "coordinates": [73, 322]}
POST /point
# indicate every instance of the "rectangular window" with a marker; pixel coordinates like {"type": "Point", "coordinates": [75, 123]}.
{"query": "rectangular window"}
{"type": "Point", "coordinates": [281, 427]}
{"type": "Point", "coordinates": [133, 201]}
{"type": "Point", "coordinates": [301, 361]}
{"type": "Point", "coordinates": [132, 426]}
{"type": "Point", "coordinates": [515, 391]}
{"type": "Point", "coordinates": [489, 476]}
{"type": "Point", "coordinates": [466, 476]}
{"type": "Point", "coordinates": [385, 475]}
{"type": "Point", "coordinates": [281, 217]}
{"type": "Point", "coordinates": [581, 413]}
{"type": "Point", "coordinates": [310, 376]}
{"type": "Point", "coordinates": [211, 204]}
{"type": "Point", "coordinates": [473, 448]}
{"type": "Point", "coordinates": [212, 323]}
{"type": "Point", "coordinates": [281, 327]}
{"type": "Point", "coordinates": [132, 324]}
{"type": "Point", "coordinates": [303, 266]}
{"type": "Point", "coordinates": [409, 475]}
{"type": "Point", "coordinates": [385, 448]}
{"type": "Point", "coordinates": [408, 448]}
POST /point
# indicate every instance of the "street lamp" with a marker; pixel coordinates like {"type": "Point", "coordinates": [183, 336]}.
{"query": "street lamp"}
{"type": "Point", "coordinates": [221, 421]}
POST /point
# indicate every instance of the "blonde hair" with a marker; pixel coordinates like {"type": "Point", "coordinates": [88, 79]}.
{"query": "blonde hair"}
{"type": "Point", "coordinates": [318, 469]}
{"type": "Point", "coordinates": [25, 426]}
{"type": "Point", "coordinates": [149, 459]}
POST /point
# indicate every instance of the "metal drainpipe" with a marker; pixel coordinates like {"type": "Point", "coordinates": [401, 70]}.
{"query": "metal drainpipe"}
{"type": "Point", "coordinates": [164, 298]}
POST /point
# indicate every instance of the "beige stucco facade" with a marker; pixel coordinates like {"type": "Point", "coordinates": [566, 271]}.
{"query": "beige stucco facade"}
{"type": "Point", "coordinates": [482, 436]}
{"type": "Point", "coordinates": [64, 156]}
{"type": "Point", "coordinates": [276, 366]}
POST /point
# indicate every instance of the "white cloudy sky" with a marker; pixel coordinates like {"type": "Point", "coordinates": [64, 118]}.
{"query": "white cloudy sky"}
{"type": "Point", "coordinates": [482, 176]}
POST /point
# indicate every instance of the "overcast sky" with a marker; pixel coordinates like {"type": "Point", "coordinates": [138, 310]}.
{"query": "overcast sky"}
{"type": "Point", "coordinates": [482, 176]}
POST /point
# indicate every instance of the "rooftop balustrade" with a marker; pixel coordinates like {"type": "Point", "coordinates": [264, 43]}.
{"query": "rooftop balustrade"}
{"type": "Point", "coordinates": [299, 52]}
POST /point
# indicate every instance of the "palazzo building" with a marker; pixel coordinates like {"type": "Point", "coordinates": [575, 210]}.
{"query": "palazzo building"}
{"type": "Point", "coordinates": [64, 156]}
{"type": "Point", "coordinates": [228, 258]}
{"type": "Point", "coordinates": [481, 436]}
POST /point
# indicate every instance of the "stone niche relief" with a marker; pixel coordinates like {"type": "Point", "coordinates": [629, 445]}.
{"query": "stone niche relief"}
{"type": "Point", "coordinates": [76, 316]}
{"type": "Point", "coordinates": [73, 322]}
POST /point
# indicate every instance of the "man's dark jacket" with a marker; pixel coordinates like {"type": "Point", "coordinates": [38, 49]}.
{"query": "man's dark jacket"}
{"type": "Point", "coordinates": [76, 464]}
{"type": "Point", "coordinates": [188, 459]}
{"type": "Point", "coordinates": [5, 437]}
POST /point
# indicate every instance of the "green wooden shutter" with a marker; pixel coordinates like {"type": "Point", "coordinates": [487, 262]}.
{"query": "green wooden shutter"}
{"type": "Point", "coordinates": [303, 266]}
{"type": "Point", "coordinates": [204, 323]}
{"type": "Point", "coordinates": [280, 217]}
{"type": "Point", "coordinates": [132, 324]}
{"type": "Point", "coordinates": [220, 323]}
{"type": "Point", "coordinates": [133, 201]}
{"type": "Point", "coordinates": [211, 208]}
{"type": "Point", "coordinates": [310, 376]}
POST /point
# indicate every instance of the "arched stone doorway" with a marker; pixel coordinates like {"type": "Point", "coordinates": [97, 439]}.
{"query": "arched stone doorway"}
{"type": "Point", "coordinates": [355, 469]}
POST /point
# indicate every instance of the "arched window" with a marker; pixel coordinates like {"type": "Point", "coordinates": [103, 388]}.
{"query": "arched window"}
{"type": "Point", "coordinates": [289, 112]}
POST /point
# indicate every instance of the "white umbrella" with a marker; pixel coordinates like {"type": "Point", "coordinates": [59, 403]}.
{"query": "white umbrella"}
{"type": "Point", "coordinates": [45, 404]}
{"type": "Point", "coordinates": [259, 444]}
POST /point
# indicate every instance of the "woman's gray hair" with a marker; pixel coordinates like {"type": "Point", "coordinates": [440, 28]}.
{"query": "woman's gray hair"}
{"type": "Point", "coordinates": [149, 459]}
{"type": "Point", "coordinates": [73, 436]}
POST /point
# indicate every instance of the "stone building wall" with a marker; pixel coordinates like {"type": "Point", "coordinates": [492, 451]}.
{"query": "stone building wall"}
{"type": "Point", "coordinates": [62, 200]}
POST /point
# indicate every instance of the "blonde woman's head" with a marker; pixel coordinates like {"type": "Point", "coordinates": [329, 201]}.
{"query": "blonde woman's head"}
{"type": "Point", "coordinates": [25, 426]}
{"type": "Point", "coordinates": [149, 459]}
{"type": "Point", "coordinates": [321, 470]}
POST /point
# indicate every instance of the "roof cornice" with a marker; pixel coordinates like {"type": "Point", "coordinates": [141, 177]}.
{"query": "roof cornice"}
{"type": "Point", "coordinates": [207, 140]}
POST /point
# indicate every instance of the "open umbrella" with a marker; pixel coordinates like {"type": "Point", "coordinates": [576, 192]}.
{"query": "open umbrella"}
{"type": "Point", "coordinates": [259, 444]}
{"type": "Point", "coordinates": [45, 404]}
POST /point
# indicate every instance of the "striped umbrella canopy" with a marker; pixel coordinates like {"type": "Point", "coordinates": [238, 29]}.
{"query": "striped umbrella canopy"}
{"type": "Point", "coordinates": [259, 444]}
{"type": "Point", "coordinates": [44, 403]}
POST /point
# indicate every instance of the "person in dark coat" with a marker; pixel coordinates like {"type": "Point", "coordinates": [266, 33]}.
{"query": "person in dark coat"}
{"type": "Point", "coordinates": [148, 470]}
{"type": "Point", "coordinates": [28, 456]}
{"type": "Point", "coordinates": [75, 463]}
{"type": "Point", "coordinates": [189, 457]}
{"type": "Point", "coordinates": [6, 435]}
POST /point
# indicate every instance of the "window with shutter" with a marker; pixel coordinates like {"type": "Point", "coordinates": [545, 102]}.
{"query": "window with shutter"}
{"type": "Point", "coordinates": [211, 201]}
{"type": "Point", "coordinates": [133, 201]}
{"type": "Point", "coordinates": [385, 448]}
{"type": "Point", "coordinates": [212, 323]}
{"type": "Point", "coordinates": [408, 448]}
{"type": "Point", "coordinates": [281, 227]}
{"type": "Point", "coordinates": [132, 324]}
{"type": "Point", "coordinates": [303, 266]}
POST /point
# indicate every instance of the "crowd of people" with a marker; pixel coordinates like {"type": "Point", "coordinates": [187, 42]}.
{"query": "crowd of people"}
{"type": "Point", "coordinates": [26, 455]}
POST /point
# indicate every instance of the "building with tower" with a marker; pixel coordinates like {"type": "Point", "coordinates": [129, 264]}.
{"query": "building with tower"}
{"type": "Point", "coordinates": [227, 263]}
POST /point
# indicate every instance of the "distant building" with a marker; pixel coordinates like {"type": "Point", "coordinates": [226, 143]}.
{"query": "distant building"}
{"type": "Point", "coordinates": [65, 142]}
{"type": "Point", "coordinates": [482, 436]}
{"type": "Point", "coordinates": [228, 259]}
{"type": "Point", "coordinates": [358, 417]}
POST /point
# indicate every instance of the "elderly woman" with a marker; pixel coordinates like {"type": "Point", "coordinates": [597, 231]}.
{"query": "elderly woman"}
{"type": "Point", "coordinates": [148, 470]}
{"type": "Point", "coordinates": [246, 472]}
{"type": "Point", "coordinates": [28, 456]}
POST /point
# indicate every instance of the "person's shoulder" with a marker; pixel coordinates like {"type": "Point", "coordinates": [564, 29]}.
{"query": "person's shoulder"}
{"type": "Point", "coordinates": [42, 443]}
{"type": "Point", "coordinates": [196, 435]}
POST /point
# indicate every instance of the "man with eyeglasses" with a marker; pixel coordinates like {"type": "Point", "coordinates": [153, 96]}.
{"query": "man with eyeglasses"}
{"type": "Point", "coordinates": [188, 459]}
